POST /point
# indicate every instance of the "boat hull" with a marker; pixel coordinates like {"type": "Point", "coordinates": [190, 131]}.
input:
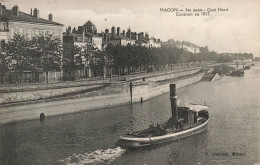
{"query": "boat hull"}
{"type": "Point", "coordinates": [135, 142]}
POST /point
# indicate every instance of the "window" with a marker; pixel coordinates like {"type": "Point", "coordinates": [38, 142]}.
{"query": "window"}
{"type": "Point", "coordinates": [57, 34]}
{"type": "Point", "coordinates": [2, 44]}
{"type": "Point", "coordinates": [20, 31]}
{"type": "Point", "coordinates": [41, 32]}
{"type": "Point", "coordinates": [36, 32]}
{"type": "Point", "coordinates": [25, 31]}
{"type": "Point", "coordinates": [16, 30]}
{"type": "Point", "coordinates": [11, 31]}
{"type": "Point", "coordinates": [32, 33]}
{"type": "Point", "coordinates": [29, 33]}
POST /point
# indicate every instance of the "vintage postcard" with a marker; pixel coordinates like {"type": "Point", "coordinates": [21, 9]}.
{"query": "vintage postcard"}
{"type": "Point", "coordinates": [129, 82]}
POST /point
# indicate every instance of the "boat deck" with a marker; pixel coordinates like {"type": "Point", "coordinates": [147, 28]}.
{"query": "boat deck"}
{"type": "Point", "coordinates": [160, 130]}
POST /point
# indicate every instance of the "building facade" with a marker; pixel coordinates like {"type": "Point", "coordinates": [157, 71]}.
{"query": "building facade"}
{"type": "Point", "coordinates": [82, 36]}
{"type": "Point", "coordinates": [86, 34]}
{"type": "Point", "coordinates": [16, 22]}
{"type": "Point", "coordinates": [190, 47]}
{"type": "Point", "coordinates": [118, 38]}
{"type": "Point", "coordinates": [13, 21]}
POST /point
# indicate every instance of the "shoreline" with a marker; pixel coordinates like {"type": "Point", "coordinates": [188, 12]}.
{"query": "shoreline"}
{"type": "Point", "coordinates": [32, 94]}
{"type": "Point", "coordinates": [143, 92]}
{"type": "Point", "coordinates": [112, 95]}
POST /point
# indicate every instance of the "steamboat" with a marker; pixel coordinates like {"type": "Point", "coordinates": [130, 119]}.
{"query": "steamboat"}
{"type": "Point", "coordinates": [185, 121]}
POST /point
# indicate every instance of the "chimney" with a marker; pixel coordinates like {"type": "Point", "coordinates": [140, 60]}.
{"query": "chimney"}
{"type": "Point", "coordinates": [36, 13]}
{"type": "Point", "coordinates": [66, 32]}
{"type": "Point", "coordinates": [174, 106]}
{"type": "Point", "coordinates": [74, 30]}
{"type": "Point", "coordinates": [113, 29]}
{"type": "Point", "coordinates": [31, 12]}
{"type": "Point", "coordinates": [118, 31]}
{"type": "Point", "coordinates": [146, 35]}
{"type": "Point", "coordinates": [107, 37]}
{"type": "Point", "coordinates": [123, 32]}
{"type": "Point", "coordinates": [1, 10]}
{"type": "Point", "coordinates": [50, 17]}
{"type": "Point", "coordinates": [128, 34]}
{"type": "Point", "coordinates": [141, 36]}
{"type": "Point", "coordinates": [104, 37]}
{"type": "Point", "coordinates": [132, 35]}
{"type": "Point", "coordinates": [80, 29]}
{"type": "Point", "coordinates": [15, 10]}
{"type": "Point", "coordinates": [83, 36]}
{"type": "Point", "coordinates": [69, 29]}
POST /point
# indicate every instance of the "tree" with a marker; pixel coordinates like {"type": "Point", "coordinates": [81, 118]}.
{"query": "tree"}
{"type": "Point", "coordinates": [3, 67]}
{"type": "Point", "coordinates": [77, 58]}
{"type": "Point", "coordinates": [69, 52]}
{"type": "Point", "coordinates": [72, 60]}
{"type": "Point", "coordinates": [109, 51]}
{"type": "Point", "coordinates": [94, 59]}
{"type": "Point", "coordinates": [49, 52]}
{"type": "Point", "coordinates": [20, 55]}
{"type": "Point", "coordinates": [40, 54]}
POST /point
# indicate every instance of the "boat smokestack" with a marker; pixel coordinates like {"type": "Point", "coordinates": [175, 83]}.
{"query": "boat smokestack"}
{"type": "Point", "coordinates": [174, 106]}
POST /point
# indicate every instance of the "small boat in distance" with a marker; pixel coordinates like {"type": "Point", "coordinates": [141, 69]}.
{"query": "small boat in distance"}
{"type": "Point", "coordinates": [185, 121]}
{"type": "Point", "coordinates": [247, 67]}
{"type": "Point", "coordinates": [237, 73]}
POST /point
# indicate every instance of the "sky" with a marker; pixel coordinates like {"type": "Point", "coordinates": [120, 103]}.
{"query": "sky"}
{"type": "Point", "coordinates": [234, 31]}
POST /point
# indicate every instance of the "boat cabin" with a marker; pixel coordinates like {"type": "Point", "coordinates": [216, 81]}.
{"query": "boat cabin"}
{"type": "Point", "coordinates": [191, 115]}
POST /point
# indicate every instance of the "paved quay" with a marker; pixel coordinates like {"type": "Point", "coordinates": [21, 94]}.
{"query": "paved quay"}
{"type": "Point", "coordinates": [32, 111]}
{"type": "Point", "coordinates": [32, 93]}
{"type": "Point", "coordinates": [116, 96]}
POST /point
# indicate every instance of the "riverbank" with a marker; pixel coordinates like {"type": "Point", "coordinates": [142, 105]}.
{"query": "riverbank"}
{"type": "Point", "coordinates": [58, 99]}
{"type": "Point", "coordinates": [114, 95]}
{"type": "Point", "coordinates": [16, 95]}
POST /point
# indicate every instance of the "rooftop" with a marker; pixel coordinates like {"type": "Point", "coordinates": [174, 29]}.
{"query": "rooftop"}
{"type": "Point", "coordinates": [121, 37]}
{"type": "Point", "coordinates": [92, 35]}
{"type": "Point", "coordinates": [8, 15]}
{"type": "Point", "coordinates": [89, 23]}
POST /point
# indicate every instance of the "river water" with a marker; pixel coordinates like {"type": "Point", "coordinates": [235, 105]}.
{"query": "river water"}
{"type": "Point", "coordinates": [89, 137]}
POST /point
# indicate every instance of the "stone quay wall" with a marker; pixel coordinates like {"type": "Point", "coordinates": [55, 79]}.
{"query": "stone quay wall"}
{"type": "Point", "coordinates": [115, 95]}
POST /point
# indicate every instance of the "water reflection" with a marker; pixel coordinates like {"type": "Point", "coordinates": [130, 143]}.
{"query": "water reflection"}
{"type": "Point", "coordinates": [8, 144]}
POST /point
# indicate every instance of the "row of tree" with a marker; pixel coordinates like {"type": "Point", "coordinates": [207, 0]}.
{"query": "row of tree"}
{"type": "Point", "coordinates": [46, 53]}
{"type": "Point", "coordinates": [40, 54]}
{"type": "Point", "coordinates": [136, 56]}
